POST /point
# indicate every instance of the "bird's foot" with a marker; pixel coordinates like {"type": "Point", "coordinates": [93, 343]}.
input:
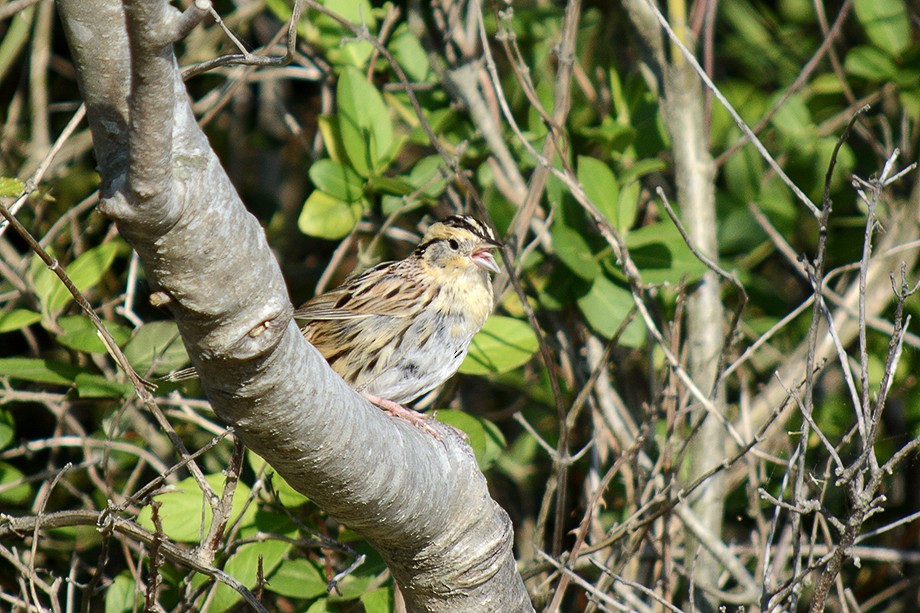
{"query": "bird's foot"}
{"type": "Point", "coordinates": [406, 414]}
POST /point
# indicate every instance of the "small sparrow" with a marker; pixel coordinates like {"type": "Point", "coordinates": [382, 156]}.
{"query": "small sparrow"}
{"type": "Point", "coordinates": [400, 329]}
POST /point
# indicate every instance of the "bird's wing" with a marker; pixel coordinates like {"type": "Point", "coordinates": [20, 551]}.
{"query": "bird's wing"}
{"type": "Point", "coordinates": [385, 289]}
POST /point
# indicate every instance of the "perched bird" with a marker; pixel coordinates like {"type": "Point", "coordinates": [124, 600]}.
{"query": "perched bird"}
{"type": "Point", "coordinates": [399, 329]}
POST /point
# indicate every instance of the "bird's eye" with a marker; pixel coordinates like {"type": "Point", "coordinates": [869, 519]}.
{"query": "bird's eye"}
{"type": "Point", "coordinates": [453, 244]}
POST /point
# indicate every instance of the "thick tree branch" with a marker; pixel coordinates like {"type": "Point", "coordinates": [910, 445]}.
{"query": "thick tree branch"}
{"type": "Point", "coordinates": [423, 503]}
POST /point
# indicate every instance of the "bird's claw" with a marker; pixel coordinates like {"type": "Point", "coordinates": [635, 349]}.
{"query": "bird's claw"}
{"type": "Point", "coordinates": [406, 414]}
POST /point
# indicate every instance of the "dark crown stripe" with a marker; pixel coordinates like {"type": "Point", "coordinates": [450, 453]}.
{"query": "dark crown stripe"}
{"type": "Point", "coordinates": [473, 225]}
{"type": "Point", "coordinates": [420, 250]}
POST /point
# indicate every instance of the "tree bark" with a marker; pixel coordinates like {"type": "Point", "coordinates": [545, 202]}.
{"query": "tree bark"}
{"type": "Point", "coordinates": [421, 502]}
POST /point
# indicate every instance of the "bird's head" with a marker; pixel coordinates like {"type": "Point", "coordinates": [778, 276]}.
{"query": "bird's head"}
{"type": "Point", "coordinates": [459, 243]}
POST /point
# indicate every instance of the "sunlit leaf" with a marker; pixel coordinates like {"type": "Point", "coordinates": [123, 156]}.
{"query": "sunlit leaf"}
{"type": "Point", "coordinates": [156, 348]}
{"type": "Point", "coordinates": [12, 489]}
{"type": "Point", "coordinates": [91, 385]}
{"type": "Point", "coordinates": [7, 428]}
{"type": "Point", "coordinates": [39, 370]}
{"type": "Point", "coordinates": [662, 255]}
{"type": "Point", "coordinates": [337, 180]}
{"type": "Point", "coordinates": [601, 187]}
{"type": "Point", "coordinates": [870, 63]}
{"type": "Point", "coordinates": [574, 251]}
{"type": "Point", "coordinates": [332, 137]}
{"type": "Point", "coordinates": [18, 319]}
{"type": "Point", "coordinates": [325, 216]}
{"type": "Point", "coordinates": [378, 601]}
{"type": "Point", "coordinates": [181, 512]}
{"type": "Point", "coordinates": [411, 56]}
{"type": "Point", "coordinates": [244, 565]}
{"type": "Point", "coordinates": [297, 578]}
{"type": "Point", "coordinates": [122, 595]}
{"type": "Point", "coordinates": [338, 40]}
{"type": "Point", "coordinates": [85, 272]}
{"type": "Point", "coordinates": [503, 344]}
{"type": "Point", "coordinates": [80, 333]}
{"type": "Point", "coordinates": [364, 123]}
{"type": "Point", "coordinates": [887, 24]}
{"type": "Point", "coordinates": [10, 187]}
{"type": "Point", "coordinates": [605, 306]}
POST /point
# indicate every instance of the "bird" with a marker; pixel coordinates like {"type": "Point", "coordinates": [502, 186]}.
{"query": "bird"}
{"type": "Point", "coordinates": [399, 329]}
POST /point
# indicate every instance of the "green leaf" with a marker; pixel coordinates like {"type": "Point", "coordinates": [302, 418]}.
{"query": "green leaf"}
{"type": "Point", "coordinates": [793, 120]}
{"type": "Point", "coordinates": [428, 176]}
{"type": "Point", "coordinates": [39, 370]}
{"type": "Point", "coordinates": [364, 122]}
{"type": "Point", "coordinates": [743, 173]}
{"type": "Point", "coordinates": [910, 100]}
{"type": "Point", "coordinates": [628, 206]}
{"type": "Point", "coordinates": [337, 180]}
{"type": "Point", "coordinates": [605, 306]}
{"type": "Point", "coordinates": [601, 187]}
{"type": "Point", "coordinates": [503, 344]}
{"type": "Point", "coordinates": [122, 596]}
{"type": "Point", "coordinates": [90, 385]}
{"type": "Point", "coordinates": [574, 251]}
{"type": "Point", "coordinates": [7, 428]}
{"type": "Point", "coordinates": [297, 578]}
{"type": "Point", "coordinates": [614, 135]}
{"type": "Point", "coordinates": [156, 348]}
{"type": "Point", "coordinates": [320, 606]}
{"type": "Point", "coordinates": [280, 8]}
{"type": "Point", "coordinates": [80, 333]}
{"type": "Point", "coordinates": [18, 319]}
{"type": "Point", "coordinates": [85, 272]}
{"type": "Point", "coordinates": [18, 32]}
{"type": "Point", "coordinates": [9, 493]}
{"type": "Point", "coordinates": [332, 137]}
{"type": "Point", "coordinates": [870, 63]}
{"type": "Point", "coordinates": [358, 12]}
{"type": "Point", "coordinates": [335, 37]}
{"type": "Point", "coordinates": [10, 187]}
{"type": "Point", "coordinates": [662, 255]}
{"type": "Point", "coordinates": [378, 601]}
{"type": "Point", "coordinates": [357, 583]}
{"type": "Point", "coordinates": [640, 168]}
{"type": "Point", "coordinates": [43, 280]}
{"type": "Point", "coordinates": [325, 216]}
{"type": "Point", "coordinates": [244, 565]}
{"type": "Point", "coordinates": [485, 438]}
{"type": "Point", "coordinates": [411, 56]}
{"type": "Point", "coordinates": [396, 186]}
{"type": "Point", "coordinates": [887, 24]}
{"type": "Point", "coordinates": [181, 510]}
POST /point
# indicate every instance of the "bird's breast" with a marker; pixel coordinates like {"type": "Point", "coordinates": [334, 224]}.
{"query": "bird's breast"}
{"type": "Point", "coordinates": [467, 304]}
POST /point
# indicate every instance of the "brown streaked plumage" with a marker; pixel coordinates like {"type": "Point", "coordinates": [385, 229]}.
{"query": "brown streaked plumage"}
{"type": "Point", "coordinates": [400, 329]}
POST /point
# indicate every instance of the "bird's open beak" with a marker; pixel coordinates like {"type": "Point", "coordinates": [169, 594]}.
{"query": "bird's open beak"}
{"type": "Point", "coordinates": [482, 257]}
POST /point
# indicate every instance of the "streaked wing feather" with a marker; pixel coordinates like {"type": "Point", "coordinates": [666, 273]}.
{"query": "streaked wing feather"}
{"type": "Point", "coordinates": [382, 290]}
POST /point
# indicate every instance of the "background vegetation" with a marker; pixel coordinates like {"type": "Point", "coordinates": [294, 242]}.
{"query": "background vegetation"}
{"type": "Point", "coordinates": [580, 398]}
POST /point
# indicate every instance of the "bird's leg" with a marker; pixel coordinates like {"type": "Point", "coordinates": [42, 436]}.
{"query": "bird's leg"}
{"type": "Point", "coordinates": [397, 410]}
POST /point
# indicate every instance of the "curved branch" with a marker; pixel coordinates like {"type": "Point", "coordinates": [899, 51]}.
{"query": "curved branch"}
{"type": "Point", "coordinates": [423, 503]}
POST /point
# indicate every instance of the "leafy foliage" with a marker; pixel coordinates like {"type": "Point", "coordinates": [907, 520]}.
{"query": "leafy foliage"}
{"type": "Point", "coordinates": [358, 169]}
